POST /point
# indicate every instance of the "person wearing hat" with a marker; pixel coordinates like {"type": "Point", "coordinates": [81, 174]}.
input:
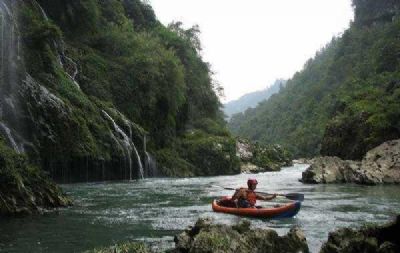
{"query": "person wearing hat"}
{"type": "Point", "coordinates": [247, 198]}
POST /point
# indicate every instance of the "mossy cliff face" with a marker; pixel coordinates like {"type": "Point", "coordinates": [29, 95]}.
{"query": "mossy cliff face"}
{"type": "Point", "coordinates": [25, 189]}
{"type": "Point", "coordinates": [103, 85]}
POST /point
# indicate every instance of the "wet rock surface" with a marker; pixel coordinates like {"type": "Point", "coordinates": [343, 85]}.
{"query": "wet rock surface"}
{"type": "Point", "coordinates": [330, 170]}
{"type": "Point", "coordinates": [256, 158]}
{"type": "Point", "coordinates": [368, 239]}
{"type": "Point", "coordinates": [24, 189]}
{"type": "Point", "coordinates": [208, 237]}
{"type": "Point", "coordinates": [130, 247]}
{"type": "Point", "coordinates": [380, 165]}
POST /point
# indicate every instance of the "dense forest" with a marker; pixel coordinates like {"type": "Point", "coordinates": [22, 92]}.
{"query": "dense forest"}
{"type": "Point", "coordinates": [346, 99]}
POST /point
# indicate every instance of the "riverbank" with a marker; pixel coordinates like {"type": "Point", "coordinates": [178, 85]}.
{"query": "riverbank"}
{"type": "Point", "coordinates": [24, 189]}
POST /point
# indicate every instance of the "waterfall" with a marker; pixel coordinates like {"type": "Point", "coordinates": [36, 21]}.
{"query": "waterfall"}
{"type": "Point", "coordinates": [7, 132]}
{"type": "Point", "coordinates": [127, 145]}
{"type": "Point", "coordinates": [9, 82]}
{"type": "Point", "coordinates": [150, 162]}
{"type": "Point", "coordinates": [41, 10]}
{"type": "Point", "coordinates": [70, 67]}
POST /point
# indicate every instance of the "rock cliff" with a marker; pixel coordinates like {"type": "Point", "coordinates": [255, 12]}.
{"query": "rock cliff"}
{"type": "Point", "coordinates": [380, 165]}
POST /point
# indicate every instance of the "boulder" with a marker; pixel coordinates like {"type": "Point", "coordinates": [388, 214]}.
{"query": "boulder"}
{"type": "Point", "coordinates": [208, 237]}
{"type": "Point", "coordinates": [256, 158]}
{"type": "Point", "coordinates": [368, 239]}
{"type": "Point", "coordinates": [250, 168]}
{"type": "Point", "coordinates": [380, 165]}
{"type": "Point", "coordinates": [302, 161]}
{"type": "Point", "coordinates": [330, 170]}
{"type": "Point", "coordinates": [131, 247]}
{"type": "Point", "coordinates": [244, 150]}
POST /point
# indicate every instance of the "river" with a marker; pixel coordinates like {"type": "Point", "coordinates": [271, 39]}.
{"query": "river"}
{"type": "Point", "coordinates": [154, 210]}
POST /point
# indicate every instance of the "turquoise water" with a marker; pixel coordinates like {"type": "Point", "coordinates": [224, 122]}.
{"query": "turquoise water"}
{"type": "Point", "coordinates": [154, 210]}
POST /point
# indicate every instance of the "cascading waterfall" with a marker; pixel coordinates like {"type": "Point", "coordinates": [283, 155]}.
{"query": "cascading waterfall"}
{"type": "Point", "coordinates": [7, 132]}
{"type": "Point", "coordinates": [127, 144]}
{"type": "Point", "coordinates": [70, 67]}
{"type": "Point", "coordinates": [10, 79]}
{"type": "Point", "coordinates": [128, 124]}
{"type": "Point", "coordinates": [150, 162]}
{"type": "Point", "coordinates": [9, 83]}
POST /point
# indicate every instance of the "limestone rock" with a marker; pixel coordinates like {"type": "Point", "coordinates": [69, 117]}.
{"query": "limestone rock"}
{"type": "Point", "coordinates": [302, 161]}
{"type": "Point", "coordinates": [243, 150]}
{"type": "Point", "coordinates": [134, 247]}
{"type": "Point", "coordinates": [208, 237]}
{"type": "Point", "coordinates": [250, 168]}
{"type": "Point", "coordinates": [330, 170]}
{"type": "Point", "coordinates": [368, 239]}
{"type": "Point", "coordinates": [380, 165]}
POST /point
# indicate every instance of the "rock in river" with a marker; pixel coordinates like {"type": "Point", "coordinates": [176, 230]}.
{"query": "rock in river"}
{"type": "Point", "coordinates": [208, 237]}
{"type": "Point", "coordinates": [383, 239]}
{"type": "Point", "coordinates": [329, 169]}
{"type": "Point", "coordinates": [380, 165]}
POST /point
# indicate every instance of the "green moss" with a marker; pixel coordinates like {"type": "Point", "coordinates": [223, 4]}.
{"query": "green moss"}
{"type": "Point", "coordinates": [171, 164]}
{"type": "Point", "coordinates": [215, 242]}
{"type": "Point", "coordinates": [211, 155]}
{"type": "Point", "coordinates": [270, 156]}
{"type": "Point", "coordinates": [130, 247]}
{"type": "Point", "coordinates": [24, 188]}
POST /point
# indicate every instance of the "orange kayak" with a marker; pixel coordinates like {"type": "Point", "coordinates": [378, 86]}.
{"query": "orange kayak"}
{"type": "Point", "coordinates": [283, 211]}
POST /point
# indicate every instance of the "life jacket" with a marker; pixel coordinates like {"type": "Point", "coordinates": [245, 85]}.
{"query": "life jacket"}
{"type": "Point", "coordinates": [251, 197]}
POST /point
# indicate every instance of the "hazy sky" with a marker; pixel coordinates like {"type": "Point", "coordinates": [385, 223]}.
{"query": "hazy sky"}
{"type": "Point", "coordinates": [251, 43]}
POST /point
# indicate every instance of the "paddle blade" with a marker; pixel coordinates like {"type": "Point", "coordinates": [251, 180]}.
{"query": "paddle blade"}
{"type": "Point", "coordinates": [295, 196]}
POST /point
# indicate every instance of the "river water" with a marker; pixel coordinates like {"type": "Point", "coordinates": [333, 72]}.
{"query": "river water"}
{"type": "Point", "coordinates": [154, 210]}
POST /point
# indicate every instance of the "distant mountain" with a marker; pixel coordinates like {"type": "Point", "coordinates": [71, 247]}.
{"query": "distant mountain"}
{"type": "Point", "coordinates": [346, 100]}
{"type": "Point", "coordinates": [251, 100]}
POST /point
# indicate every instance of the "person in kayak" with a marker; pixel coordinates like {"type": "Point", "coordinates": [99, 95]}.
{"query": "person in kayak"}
{"type": "Point", "coordinates": [247, 198]}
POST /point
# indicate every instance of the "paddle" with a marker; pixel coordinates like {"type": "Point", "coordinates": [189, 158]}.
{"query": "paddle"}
{"type": "Point", "coordinates": [291, 196]}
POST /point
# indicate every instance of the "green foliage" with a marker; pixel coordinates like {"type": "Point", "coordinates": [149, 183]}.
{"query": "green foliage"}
{"type": "Point", "coordinates": [128, 62]}
{"type": "Point", "coordinates": [23, 187]}
{"type": "Point", "coordinates": [270, 156]}
{"type": "Point", "coordinates": [172, 165]}
{"type": "Point", "coordinates": [76, 18]}
{"type": "Point", "coordinates": [131, 247]}
{"type": "Point", "coordinates": [141, 13]}
{"type": "Point", "coordinates": [211, 155]}
{"type": "Point", "coordinates": [368, 12]}
{"type": "Point", "coordinates": [202, 101]}
{"type": "Point", "coordinates": [345, 100]}
{"type": "Point", "coordinates": [37, 35]}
